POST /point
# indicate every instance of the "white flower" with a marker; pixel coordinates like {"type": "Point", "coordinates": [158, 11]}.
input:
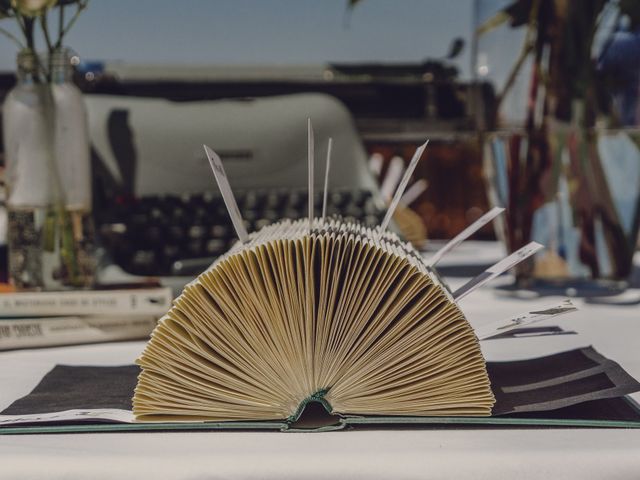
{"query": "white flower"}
{"type": "Point", "coordinates": [32, 8]}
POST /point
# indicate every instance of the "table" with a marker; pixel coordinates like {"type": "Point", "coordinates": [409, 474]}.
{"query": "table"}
{"type": "Point", "coordinates": [391, 453]}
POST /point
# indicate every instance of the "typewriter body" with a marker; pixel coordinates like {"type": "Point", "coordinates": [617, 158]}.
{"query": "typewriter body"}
{"type": "Point", "coordinates": [157, 208]}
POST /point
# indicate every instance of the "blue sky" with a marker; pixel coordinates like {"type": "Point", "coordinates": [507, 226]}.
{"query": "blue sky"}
{"type": "Point", "coordinates": [264, 31]}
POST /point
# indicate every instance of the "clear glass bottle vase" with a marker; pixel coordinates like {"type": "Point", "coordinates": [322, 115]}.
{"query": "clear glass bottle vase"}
{"type": "Point", "coordinates": [50, 230]}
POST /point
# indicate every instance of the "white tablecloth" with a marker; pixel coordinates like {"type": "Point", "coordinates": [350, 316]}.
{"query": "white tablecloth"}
{"type": "Point", "coordinates": [467, 453]}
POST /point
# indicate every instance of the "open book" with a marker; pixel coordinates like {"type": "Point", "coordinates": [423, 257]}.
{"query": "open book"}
{"type": "Point", "coordinates": [316, 310]}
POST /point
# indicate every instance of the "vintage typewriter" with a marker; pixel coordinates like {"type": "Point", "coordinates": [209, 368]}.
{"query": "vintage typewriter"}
{"type": "Point", "coordinates": [157, 209]}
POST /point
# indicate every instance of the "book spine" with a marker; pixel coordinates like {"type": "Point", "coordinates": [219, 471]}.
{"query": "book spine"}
{"type": "Point", "coordinates": [55, 331]}
{"type": "Point", "coordinates": [108, 302]}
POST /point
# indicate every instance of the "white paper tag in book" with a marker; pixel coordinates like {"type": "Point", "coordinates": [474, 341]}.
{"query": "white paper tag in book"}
{"type": "Point", "coordinates": [528, 318]}
{"type": "Point", "coordinates": [495, 270]}
{"type": "Point", "coordinates": [89, 414]}
{"type": "Point", "coordinates": [414, 191]}
{"type": "Point", "coordinates": [311, 168]}
{"type": "Point", "coordinates": [227, 194]}
{"type": "Point", "coordinates": [403, 185]}
{"type": "Point", "coordinates": [392, 177]}
{"type": "Point", "coordinates": [375, 163]}
{"type": "Point", "coordinates": [327, 169]}
{"type": "Point", "coordinates": [466, 233]}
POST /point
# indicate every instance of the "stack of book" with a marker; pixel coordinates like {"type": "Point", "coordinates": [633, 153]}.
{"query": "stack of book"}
{"type": "Point", "coordinates": [46, 319]}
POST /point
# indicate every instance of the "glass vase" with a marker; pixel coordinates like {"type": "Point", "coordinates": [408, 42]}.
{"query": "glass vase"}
{"type": "Point", "coordinates": [581, 200]}
{"type": "Point", "coordinates": [559, 153]}
{"type": "Point", "coordinates": [50, 235]}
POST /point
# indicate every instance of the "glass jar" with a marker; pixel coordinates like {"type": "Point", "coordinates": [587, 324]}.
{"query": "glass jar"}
{"type": "Point", "coordinates": [50, 230]}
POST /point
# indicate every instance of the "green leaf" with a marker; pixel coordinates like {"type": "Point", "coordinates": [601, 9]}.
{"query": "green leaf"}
{"type": "Point", "coordinates": [494, 22]}
{"type": "Point", "coordinates": [456, 47]}
{"type": "Point", "coordinates": [517, 14]}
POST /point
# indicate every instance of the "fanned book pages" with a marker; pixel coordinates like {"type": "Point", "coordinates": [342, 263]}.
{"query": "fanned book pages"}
{"type": "Point", "coordinates": [316, 310]}
{"type": "Point", "coordinates": [342, 315]}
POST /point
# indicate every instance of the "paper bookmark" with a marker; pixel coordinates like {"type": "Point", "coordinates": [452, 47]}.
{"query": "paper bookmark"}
{"type": "Point", "coordinates": [392, 177]}
{"type": "Point", "coordinates": [326, 179]}
{"type": "Point", "coordinates": [227, 194]}
{"type": "Point", "coordinates": [466, 233]}
{"type": "Point", "coordinates": [413, 192]}
{"type": "Point", "coordinates": [495, 270]}
{"type": "Point", "coordinates": [375, 163]}
{"type": "Point", "coordinates": [403, 185]}
{"type": "Point", "coordinates": [528, 318]}
{"type": "Point", "coordinates": [311, 165]}
{"type": "Point", "coordinates": [93, 414]}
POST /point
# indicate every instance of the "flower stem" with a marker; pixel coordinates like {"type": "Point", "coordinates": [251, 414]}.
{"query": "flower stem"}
{"type": "Point", "coordinates": [28, 26]}
{"type": "Point", "coordinates": [81, 6]}
{"type": "Point", "coordinates": [12, 37]}
{"type": "Point", "coordinates": [45, 31]}
{"type": "Point", "coordinates": [60, 20]}
{"type": "Point", "coordinates": [528, 46]}
{"type": "Point", "coordinates": [23, 27]}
